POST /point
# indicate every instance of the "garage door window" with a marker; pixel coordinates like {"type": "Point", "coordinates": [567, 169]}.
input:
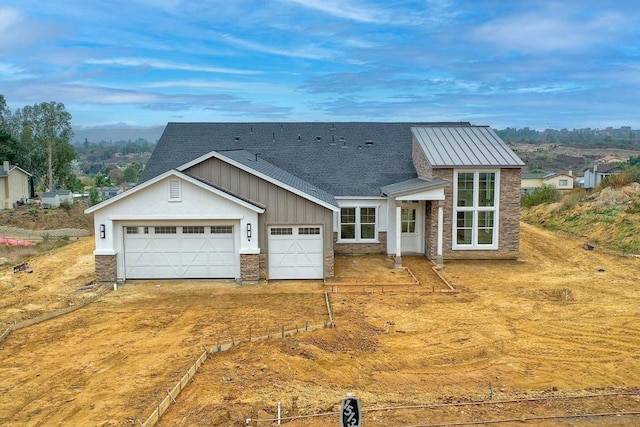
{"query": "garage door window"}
{"type": "Point", "coordinates": [193, 230]}
{"type": "Point", "coordinates": [281, 231]}
{"type": "Point", "coordinates": [131, 230]}
{"type": "Point", "coordinates": [308, 230]}
{"type": "Point", "coordinates": [222, 229]}
{"type": "Point", "coordinates": [166, 230]}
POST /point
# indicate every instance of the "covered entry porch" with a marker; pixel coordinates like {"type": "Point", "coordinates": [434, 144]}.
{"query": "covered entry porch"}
{"type": "Point", "coordinates": [409, 202]}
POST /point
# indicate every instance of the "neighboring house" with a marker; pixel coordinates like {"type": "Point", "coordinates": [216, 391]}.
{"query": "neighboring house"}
{"type": "Point", "coordinates": [560, 181]}
{"type": "Point", "coordinates": [105, 193]}
{"type": "Point", "coordinates": [594, 174]}
{"type": "Point", "coordinates": [53, 199]}
{"type": "Point", "coordinates": [14, 185]}
{"type": "Point", "coordinates": [279, 201]}
{"type": "Point", "coordinates": [50, 199]}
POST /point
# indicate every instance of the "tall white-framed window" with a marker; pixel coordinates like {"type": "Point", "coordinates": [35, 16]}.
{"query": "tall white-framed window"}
{"type": "Point", "coordinates": [359, 223]}
{"type": "Point", "coordinates": [476, 196]}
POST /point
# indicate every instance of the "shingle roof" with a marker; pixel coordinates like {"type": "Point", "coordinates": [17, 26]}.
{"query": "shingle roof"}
{"type": "Point", "coordinates": [255, 162]}
{"type": "Point", "coordinates": [460, 146]}
{"type": "Point", "coordinates": [342, 159]}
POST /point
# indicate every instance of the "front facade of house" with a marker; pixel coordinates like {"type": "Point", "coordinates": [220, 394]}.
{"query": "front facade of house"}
{"type": "Point", "coordinates": [14, 185]}
{"type": "Point", "coordinates": [254, 201]}
{"type": "Point", "coordinates": [594, 175]}
{"type": "Point", "coordinates": [559, 181]}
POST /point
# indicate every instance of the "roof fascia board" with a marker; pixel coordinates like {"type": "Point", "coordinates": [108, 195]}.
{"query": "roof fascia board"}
{"type": "Point", "coordinates": [259, 175]}
{"type": "Point", "coordinates": [180, 175]}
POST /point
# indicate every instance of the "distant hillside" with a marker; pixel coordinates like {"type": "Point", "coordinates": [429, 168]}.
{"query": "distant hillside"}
{"type": "Point", "coordinates": [606, 219]}
{"type": "Point", "coordinates": [97, 135]}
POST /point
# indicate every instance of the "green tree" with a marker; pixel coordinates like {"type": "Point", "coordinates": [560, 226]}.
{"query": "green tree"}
{"type": "Point", "coordinates": [44, 133]}
{"type": "Point", "coordinates": [133, 172]}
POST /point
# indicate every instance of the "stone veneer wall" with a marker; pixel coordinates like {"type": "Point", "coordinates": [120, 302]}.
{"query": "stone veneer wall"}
{"type": "Point", "coordinates": [423, 168]}
{"type": "Point", "coordinates": [328, 264]}
{"type": "Point", "coordinates": [249, 267]}
{"type": "Point", "coordinates": [361, 248]}
{"type": "Point", "coordinates": [106, 268]}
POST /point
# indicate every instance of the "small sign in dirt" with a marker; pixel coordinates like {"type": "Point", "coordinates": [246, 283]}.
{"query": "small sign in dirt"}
{"type": "Point", "coordinates": [350, 415]}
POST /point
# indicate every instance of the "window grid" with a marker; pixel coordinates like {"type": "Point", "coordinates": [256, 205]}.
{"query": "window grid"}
{"type": "Point", "coordinates": [408, 220]}
{"type": "Point", "coordinates": [131, 230]}
{"type": "Point", "coordinates": [281, 231]}
{"type": "Point", "coordinates": [222, 229]}
{"type": "Point", "coordinates": [475, 209]}
{"type": "Point", "coordinates": [305, 231]}
{"type": "Point", "coordinates": [358, 223]}
{"type": "Point", "coordinates": [193, 229]}
{"type": "Point", "coordinates": [165, 230]}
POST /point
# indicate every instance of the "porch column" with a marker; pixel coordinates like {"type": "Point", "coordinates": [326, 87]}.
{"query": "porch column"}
{"type": "Point", "coordinates": [398, 237]}
{"type": "Point", "coordinates": [439, 260]}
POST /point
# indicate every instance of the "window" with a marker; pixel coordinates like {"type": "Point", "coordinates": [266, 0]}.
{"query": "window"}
{"type": "Point", "coordinates": [131, 230]}
{"type": "Point", "coordinates": [190, 229]}
{"type": "Point", "coordinates": [358, 223]}
{"type": "Point", "coordinates": [222, 229]}
{"type": "Point", "coordinates": [476, 207]}
{"type": "Point", "coordinates": [408, 220]}
{"type": "Point", "coordinates": [564, 182]}
{"type": "Point", "coordinates": [308, 230]}
{"type": "Point", "coordinates": [166, 230]}
{"type": "Point", "coordinates": [281, 231]}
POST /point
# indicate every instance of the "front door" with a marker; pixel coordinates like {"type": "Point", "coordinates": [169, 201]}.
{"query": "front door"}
{"type": "Point", "coordinates": [411, 217]}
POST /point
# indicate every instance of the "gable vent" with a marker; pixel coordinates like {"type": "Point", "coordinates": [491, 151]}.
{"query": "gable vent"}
{"type": "Point", "coordinates": [174, 190]}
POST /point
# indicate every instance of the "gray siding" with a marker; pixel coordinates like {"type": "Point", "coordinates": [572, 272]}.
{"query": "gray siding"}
{"type": "Point", "coordinates": [282, 206]}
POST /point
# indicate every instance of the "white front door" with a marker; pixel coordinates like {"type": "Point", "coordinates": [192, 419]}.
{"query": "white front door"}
{"type": "Point", "coordinates": [295, 252]}
{"type": "Point", "coordinates": [411, 226]}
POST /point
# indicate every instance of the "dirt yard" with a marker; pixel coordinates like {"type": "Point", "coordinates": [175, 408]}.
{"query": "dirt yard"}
{"type": "Point", "coordinates": [561, 321]}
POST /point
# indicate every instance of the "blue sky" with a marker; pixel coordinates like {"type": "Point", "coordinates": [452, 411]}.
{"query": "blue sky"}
{"type": "Point", "coordinates": [542, 64]}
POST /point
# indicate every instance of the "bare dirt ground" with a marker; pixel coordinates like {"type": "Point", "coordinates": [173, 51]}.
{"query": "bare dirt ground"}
{"type": "Point", "coordinates": [560, 321]}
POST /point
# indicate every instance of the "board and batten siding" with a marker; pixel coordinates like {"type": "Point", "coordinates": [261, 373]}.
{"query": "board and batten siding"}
{"type": "Point", "coordinates": [282, 206]}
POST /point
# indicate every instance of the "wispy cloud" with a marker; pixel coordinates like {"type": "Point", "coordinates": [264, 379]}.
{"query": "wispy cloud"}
{"type": "Point", "coordinates": [295, 51]}
{"type": "Point", "coordinates": [346, 10]}
{"type": "Point", "coordinates": [162, 65]}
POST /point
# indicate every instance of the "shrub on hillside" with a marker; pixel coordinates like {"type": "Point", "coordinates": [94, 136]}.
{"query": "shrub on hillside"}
{"type": "Point", "coordinates": [544, 194]}
{"type": "Point", "coordinates": [617, 180]}
{"type": "Point", "coordinates": [574, 197]}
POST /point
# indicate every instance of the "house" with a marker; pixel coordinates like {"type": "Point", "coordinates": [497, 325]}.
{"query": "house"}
{"type": "Point", "coordinates": [593, 175]}
{"type": "Point", "coordinates": [280, 200]}
{"type": "Point", "coordinates": [105, 193]}
{"type": "Point", "coordinates": [560, 181]}
{"type": "Point", "coordinates": [53, 199]}
{"type": "Point", "coordinates": [14, 185]}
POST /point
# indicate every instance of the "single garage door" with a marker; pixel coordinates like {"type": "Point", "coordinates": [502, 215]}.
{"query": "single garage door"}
{"type": "Point", "coordinates": [179, 252]}
{"type": "Point", "coordinates": [295, 252]}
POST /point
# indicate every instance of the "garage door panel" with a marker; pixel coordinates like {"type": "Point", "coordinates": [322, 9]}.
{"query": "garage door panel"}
{"type": "Point", "coordinates": [180, 255]}
{"type": "Point", "coordinates": [296, 252]}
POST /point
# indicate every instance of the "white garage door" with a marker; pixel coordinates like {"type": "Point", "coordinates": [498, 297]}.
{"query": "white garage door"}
{"type": "Point", "coordinates": [295, 252]}
{"type": "Point", "coordinates": [179, 252]}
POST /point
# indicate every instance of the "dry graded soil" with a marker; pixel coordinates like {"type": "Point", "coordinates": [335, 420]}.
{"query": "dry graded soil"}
{"type": "Point", "coordinates": [561, 321]}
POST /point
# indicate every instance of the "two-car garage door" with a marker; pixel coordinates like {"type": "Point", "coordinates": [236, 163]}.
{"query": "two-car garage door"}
{"type": "Point", "coordinates": [179, 252]}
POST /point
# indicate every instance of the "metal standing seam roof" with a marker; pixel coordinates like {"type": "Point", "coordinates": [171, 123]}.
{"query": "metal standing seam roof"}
{"type": "Point", "coordinates": [464, 146]}
{"type": "Point", "coordinates": [413, 185]}
{"type": "Point", "coordinates": [255, 162]}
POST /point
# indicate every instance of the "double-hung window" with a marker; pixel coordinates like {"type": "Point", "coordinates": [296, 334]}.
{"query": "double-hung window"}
{"type": "Point", "coordinates": [476, 195]}
{"type": "Point", "coordinates": [358, 223]}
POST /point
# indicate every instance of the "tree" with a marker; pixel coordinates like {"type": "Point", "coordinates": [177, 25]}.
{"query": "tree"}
{"type": "Point", "coordinates": [44, 133]}
{"type": "Point", "coordinates": [133, 172]}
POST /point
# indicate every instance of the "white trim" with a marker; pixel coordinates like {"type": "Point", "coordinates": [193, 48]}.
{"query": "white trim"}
{"type": "Point", "coordinates": [360, 198]}
{"type": "Point", "coordinates": [174, 217]}
{"type": "Point", "coordinates": [249, 251]}
{"type": "Point", "coordinates": [254, 172]}
{"type": "Point", "coordinates": [179, 175]}
{"type": "Point", "coordinates": [104, 252]}
{"type": "Point", "coordinates": [474, 246]}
